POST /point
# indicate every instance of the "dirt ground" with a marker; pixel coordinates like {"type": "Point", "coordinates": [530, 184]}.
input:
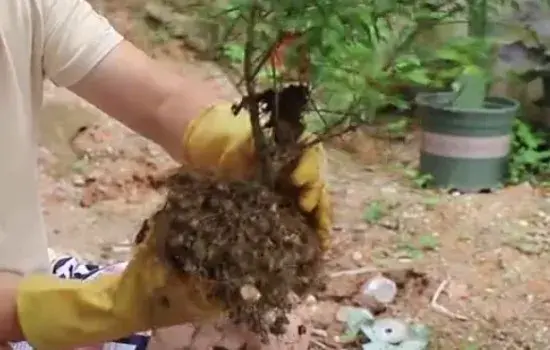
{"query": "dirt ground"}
{"type": "Point", "coordinates": [493, 249]}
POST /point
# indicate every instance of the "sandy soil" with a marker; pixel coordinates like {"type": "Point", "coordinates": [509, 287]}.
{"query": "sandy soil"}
{"type": "Point", "coordinates": [98, 182]}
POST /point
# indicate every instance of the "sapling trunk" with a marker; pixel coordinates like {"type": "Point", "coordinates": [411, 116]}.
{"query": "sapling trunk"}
{"type": "Point", "coordinates": [265, 168]}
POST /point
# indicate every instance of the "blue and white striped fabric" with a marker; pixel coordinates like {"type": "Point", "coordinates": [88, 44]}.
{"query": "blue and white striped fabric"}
{"type": "Point", "coordinates": [69, 267]}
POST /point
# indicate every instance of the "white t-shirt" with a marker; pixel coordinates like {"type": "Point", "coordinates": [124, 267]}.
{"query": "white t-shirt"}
{"type": "Point", "coordinates": [57, 39]}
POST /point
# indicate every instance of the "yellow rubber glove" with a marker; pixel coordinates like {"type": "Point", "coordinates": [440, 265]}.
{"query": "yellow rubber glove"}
{"type": "Point", "coordinates": [57, 314]}
{"type": "Point", "coordinates": [220, 141]}
{"type": "Point", "coordinates": [60, 314]}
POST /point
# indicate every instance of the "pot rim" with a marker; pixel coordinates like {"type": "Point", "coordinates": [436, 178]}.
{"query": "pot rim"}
{"type": "Point", "coordinates": [502, 104]}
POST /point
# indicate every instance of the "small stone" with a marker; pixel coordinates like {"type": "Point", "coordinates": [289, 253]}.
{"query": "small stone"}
{"type": "Point", "coordinates": [270, 317]}
{"type": "Point", "coordinates": [357, 256]}
{"type": "Point", "coordinates": [79, 180]}
{"type": "Point", "coordinates": [310, 299]}
{"type": "Point", "coordinates": [250, 293]}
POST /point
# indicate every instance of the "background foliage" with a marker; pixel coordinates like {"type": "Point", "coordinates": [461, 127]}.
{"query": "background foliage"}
{"type": "Point", "coordinates": [370, 57]}
{"type": "Point", "coordinates": [366, 55]}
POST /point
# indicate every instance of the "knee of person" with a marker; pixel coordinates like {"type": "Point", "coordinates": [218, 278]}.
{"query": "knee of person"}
{"type": "Point", "coordinates": [227, 336]}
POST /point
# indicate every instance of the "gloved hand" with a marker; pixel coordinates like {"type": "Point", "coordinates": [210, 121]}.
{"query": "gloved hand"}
{"type": "Point", "coordinates": [60, 314]}
{"type": "Point", "coordinates": [222, 142]}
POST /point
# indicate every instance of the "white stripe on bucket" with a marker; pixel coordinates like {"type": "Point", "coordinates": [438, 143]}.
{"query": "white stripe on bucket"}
{"type": "Point", "coordinates": [467, 147]}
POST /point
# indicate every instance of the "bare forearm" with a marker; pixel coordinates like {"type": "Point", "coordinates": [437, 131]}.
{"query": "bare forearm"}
{"type": "Point", "coordinates": [10, 329]}
{"type": "Point", "coordinates": [173, 115]}
{"type": "Point", "coordinates": [145, 95]}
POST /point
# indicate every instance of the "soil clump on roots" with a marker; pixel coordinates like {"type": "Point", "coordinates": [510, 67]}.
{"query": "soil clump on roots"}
{"type": "Point", "coordinates": [256, 244]}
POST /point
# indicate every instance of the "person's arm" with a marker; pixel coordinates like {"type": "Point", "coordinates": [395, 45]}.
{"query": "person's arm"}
{"type": "Point", "coordinates": [84, 53]}
{"type": "Point", "coordinates": [145, 96]}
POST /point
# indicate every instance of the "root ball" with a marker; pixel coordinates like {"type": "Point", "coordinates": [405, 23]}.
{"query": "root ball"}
{"type": "Point", "coordinates": [257, 246]}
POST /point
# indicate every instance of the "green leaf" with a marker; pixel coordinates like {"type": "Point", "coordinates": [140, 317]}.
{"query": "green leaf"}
{"type": "Point", "coordinates": [418, 76]}
{"type": "Point", "coordinates": [374, 212]}
{"type": "Point", "coordinates": [234, 52]}
{"type": "Point", "coordinates": [397, 127]}
{"type": "Point", "coordinates": [411, 251]}
{"type": "Point", "coordinates": [431, 202]}
{"type": "Point", "coordinates": [452, 55]}
{"type": "Point", "coordinates": [428, 242]}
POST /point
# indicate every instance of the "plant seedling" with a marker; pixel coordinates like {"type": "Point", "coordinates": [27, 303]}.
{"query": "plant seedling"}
{"type": "Point", "coordinates": [428, 242]}
{"type": "Point", "coordinates": [374, 212]}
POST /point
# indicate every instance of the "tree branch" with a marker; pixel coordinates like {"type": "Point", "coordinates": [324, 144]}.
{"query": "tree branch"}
{"type": "Point", "coordinates": [266, 175]}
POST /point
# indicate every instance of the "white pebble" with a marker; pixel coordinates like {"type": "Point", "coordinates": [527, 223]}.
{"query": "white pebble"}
{"type": "Point", "coordinates": [310, 299]}
{"type": "Point", "coordinates": [250, 293]}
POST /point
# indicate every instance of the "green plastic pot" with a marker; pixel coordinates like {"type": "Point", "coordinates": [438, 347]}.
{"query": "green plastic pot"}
{"type": "Point", "coordinates": [546, 89]}
{"type": "Point", "coordinates": [544, 102]}
{"type": "Point", "coordinates": [465, 149]}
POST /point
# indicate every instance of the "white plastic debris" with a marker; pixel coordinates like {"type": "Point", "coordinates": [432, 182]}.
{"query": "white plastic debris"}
{"type": "Point", "coordinates": [382, 289]}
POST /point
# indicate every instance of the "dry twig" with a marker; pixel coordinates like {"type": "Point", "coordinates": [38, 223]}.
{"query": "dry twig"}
{"type": "Point", "coordinates": [354, 272]}
{"type": "Point", "coordinates": [319, 332]}
{"type": "Point", "coordinates": [440, 308]}
{"type": "Point", "coordinates": [321, 345]}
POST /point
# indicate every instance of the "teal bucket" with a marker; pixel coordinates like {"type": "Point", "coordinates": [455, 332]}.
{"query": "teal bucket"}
{"type": "Point", "coordinates": [465, 149]}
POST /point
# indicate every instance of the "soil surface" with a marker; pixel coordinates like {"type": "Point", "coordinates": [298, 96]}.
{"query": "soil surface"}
{"type": "Point", "coordinates": [493, 250]}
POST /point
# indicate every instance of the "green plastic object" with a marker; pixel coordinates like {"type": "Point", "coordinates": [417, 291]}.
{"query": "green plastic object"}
{"type": "Point", "coordinates": [356, 317]}
{"type": "Point", "coordinates": [394, 334]}
{"type": "Point", "coordinates": [463, 148]}
{"type": "Point", "coordinates": [546, 91]}
{"type": "Point", "coordinates": [384, 333]}
{"type": "Point", "coordinates": [472, 87]}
